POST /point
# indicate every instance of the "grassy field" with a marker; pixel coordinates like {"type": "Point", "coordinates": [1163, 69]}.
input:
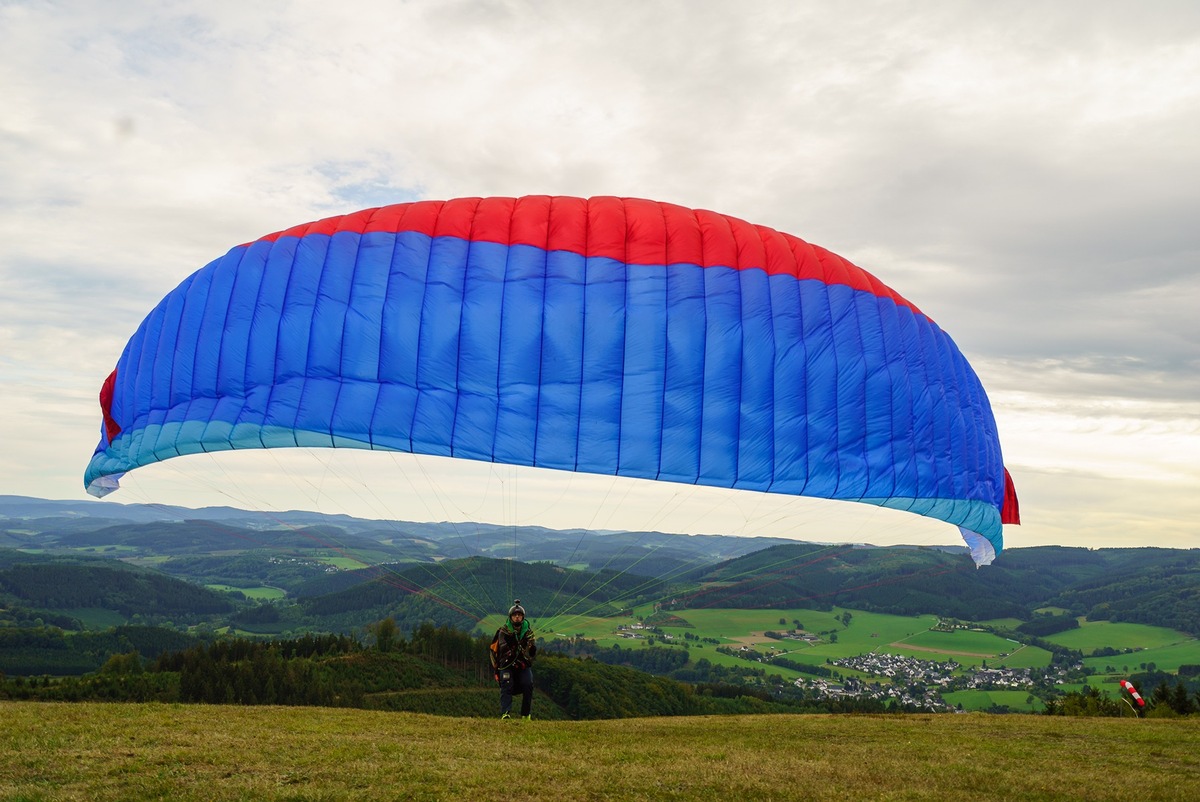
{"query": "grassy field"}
{"type": "Point", "coordinates": [1165, 658]}
{"type": "Point", "coordinates": [966, 642]}
{"type": "Point", "coordinates": [345, 563]}
{"type": "Point", "coordinates": [110, 752]}
{"type": "Point", "coordinates": [866, 632]}
{"type": "Point", "coordinates": [983, 700]}
{"type": "Point", "coordinates": [906, 635]}
{"type": "Point", "coordinates": [96, 617]}
{"type": "Point", "coordinates": [1005, 623]}
{"type": "Point", "coordinates": [1165, 648]}
{"type": "Point", "coordinates": [1097, 634]}
{"type": "Point", "coordinates": [256, 592]}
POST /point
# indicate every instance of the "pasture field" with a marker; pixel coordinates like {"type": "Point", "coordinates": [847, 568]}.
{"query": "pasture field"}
{"type": "Point", "coordinates": [96, 617]}
{"type": "Point", "coordinates": [738, 627]}
{"type": "Point", "coordinates": [969, 643]}
{"type": "Point", "coordinates": [972, 649]}
{"type": "Point", "coordinates": [876, 632]}
{"type": "Point", "coordinates": [867, 632]}
{"type": "Point", "coordinates": [1022, 657]}
{"type": "Point", "coordinates": [256, 592]}
{"type": "Point", "coordinates": [735, 625]}
{"type": "Point", "coordinates": [1073, 687]}
{"type": "Point", "coordinates": [982, 700]}
{"type": "Point", "coordinates": [92, 751]}
{"type": "Point", "coordinates": [1093, 635]}
{"type": "Point", "coordinates": [146, 562]}
{"type": "Point", "coordinates": [1165, 658]}
{"type": "Point", "coordinates": [114, 549]}
{"type": "Point", "coordinates": [345, 563]}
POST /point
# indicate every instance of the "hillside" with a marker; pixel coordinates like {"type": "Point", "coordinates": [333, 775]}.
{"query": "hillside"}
{"type": "Point", "coordinates": [40, 596]}
{"type": "Point", "coordinates": [70, 583]}
{"type": "Point", "coordinates": [290, 549]}
{"type": "Point", "coordinates": [84, 575]}
{"type": "Point", "coordinates": [210, 754]}
{"type": "Point", "coordinates": [1152, 586]}
{"type": "Point", "coordinates": [460, 592]}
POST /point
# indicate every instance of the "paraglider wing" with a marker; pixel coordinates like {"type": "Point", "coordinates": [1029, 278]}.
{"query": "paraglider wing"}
{"type": "Point", "coordinates": [603, 335]}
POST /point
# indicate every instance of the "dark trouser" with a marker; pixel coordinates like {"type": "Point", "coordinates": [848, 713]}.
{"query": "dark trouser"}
{"type": "Point", "coordinates": [516, 680]}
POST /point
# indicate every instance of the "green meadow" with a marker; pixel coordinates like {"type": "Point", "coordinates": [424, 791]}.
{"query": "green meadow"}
{"type": "Point", "coordinates": [867, 632]}
{"type": "Point", "coordinates": [99, 752]}
{"type": "Point", "coordinates": [1003, 623]}
{"type": "Point", "coordinates": [1093, 635]}
{"type": "Point", "coordinates": [984, 700]}
{"type": "Point", "coordinates": [109, 550]}
{"type": "Point", "coordinates": [911, 636]}
{"type": "Point", "coordinates": [254, 592]}
{"type": "Point", "coordinates": [1165, 648]}
{"type": "Point", "coordinates": [1165, 658]}
{"type": "Point", "coordinates": [96, 617]}
{"type": "Point", "coordinates": [972, 649]}
{"type": "Point", "coordinates": [345, 563]}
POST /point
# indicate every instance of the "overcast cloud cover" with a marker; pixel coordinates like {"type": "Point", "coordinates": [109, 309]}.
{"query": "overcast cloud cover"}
{"type": "Point", "coordinates": [1027, 173]}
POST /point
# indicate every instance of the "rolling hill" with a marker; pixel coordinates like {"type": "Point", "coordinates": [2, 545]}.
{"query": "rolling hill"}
{"type": "Point", "coordinates": [340, 573]}
{"type": "Point", "coordinates": [1150, 585]}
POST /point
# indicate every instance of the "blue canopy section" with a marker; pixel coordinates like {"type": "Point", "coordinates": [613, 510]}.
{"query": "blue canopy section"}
{"type": "Point", "coordinates": [722, 375]}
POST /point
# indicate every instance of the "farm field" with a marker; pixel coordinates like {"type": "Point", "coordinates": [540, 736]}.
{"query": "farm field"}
{"type": "Point", "coordinates": [256, 592]}
{"type": "Point", "coordinates": [983, 700]}
{"type": "Point", "coordinates": [866, 632]}
{"type": "Point", "coordinates": [1093, 635]}
{"type": "Point", "coordinates": [96, 617]}
{"type": "Point", "coordinates": [1164, 658]}
{"type": "Point", "coordinates": [909, 636]}
{"type": "Point", "coordinates": [148, 561]}
{"type": "Point", "coordinates": [876, 632]}
{"type": "Point", "coordinates": [972, 649]}
{"type": "Point", "coordinates": [345, 563]}
{"type": "Point", "coordinates": [110, 550]}
{"type": "Point", "coordinates": [1167, 649]}
{"type": "Point", "coordinates": [739, 627]}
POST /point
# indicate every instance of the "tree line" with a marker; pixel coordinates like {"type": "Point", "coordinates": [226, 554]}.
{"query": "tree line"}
{"type": "Point", "coordinates": [1167, 700]}
{"type": "Point", "coordinates": [436, 665]}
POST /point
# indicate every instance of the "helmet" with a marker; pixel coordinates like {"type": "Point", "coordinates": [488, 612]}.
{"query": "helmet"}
{"type": "Point", "coordinates": [516, 608]}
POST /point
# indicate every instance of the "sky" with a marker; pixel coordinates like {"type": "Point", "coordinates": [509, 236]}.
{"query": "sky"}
{"type": "Point", "coordinates": [1026, 173]}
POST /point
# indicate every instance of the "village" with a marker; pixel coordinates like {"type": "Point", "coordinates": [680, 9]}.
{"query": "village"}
{"type": "Point", "coordinates": [908, 682]}
{"type": "Point", "coordinates": [913, 682]}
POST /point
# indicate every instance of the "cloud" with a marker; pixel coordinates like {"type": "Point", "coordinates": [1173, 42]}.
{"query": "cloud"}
{"type": "Point", "coordinates": [1027, 174]}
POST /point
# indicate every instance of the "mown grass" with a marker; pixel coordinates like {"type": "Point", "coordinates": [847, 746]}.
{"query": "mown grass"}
{"type": "Point", "coordinates": [255, 592]}
{"type": "Point", "coordinates": [109, 752]}
{"type": "Point", "coordinates": [96, 617]}
{"type": "Point", "coordinates": [982, 700]}
{"type": "Point", "coordinates": [1165, 658]}
{"type": "Point", "coordinates": [1117, 635]}
{"type": "Point", "coordinates": [961, 640]}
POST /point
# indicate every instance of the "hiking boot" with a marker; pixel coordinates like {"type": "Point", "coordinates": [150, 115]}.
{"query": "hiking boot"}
{"type": "Point", "coordinates": [504, 716]}
{"type": "Point", "coordinates": [526, 718]}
